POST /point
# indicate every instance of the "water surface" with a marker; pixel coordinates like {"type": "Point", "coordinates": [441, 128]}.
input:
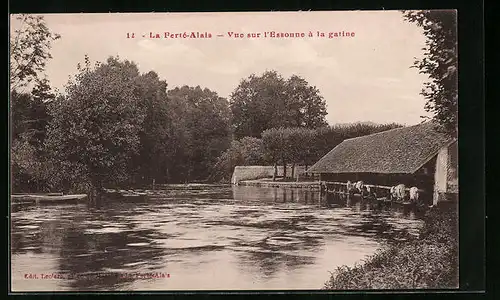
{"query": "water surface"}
{"type": "Point", "coordinates": [208, 238]}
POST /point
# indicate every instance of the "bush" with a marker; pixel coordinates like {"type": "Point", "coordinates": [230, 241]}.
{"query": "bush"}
{"type": "Point", "coordinates": [245, 152]}
{"type": "Point", "coordinates": [427, 262]}
{"type": "Point", "coordinates": [28, 168]}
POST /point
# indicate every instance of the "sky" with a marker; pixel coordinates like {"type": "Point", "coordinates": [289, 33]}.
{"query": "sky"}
{"type": "Point", "coordinates": [362, 78]}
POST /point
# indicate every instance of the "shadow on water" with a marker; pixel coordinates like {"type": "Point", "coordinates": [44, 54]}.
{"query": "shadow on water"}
{"type": "Point", "coordinates": [265, 233]}
{"type": "Point", "coordinates": [275, 195]}
{"type": "Point", "coordinates": [93, 245]}
{"type": "Point", "coordinates": [383, 219]}
{"type": "Point", "coordinates": [108, 253]}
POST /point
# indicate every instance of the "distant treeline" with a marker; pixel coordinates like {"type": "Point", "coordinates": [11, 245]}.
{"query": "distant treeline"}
{"type": "Point", "coordinates": [114, 126]}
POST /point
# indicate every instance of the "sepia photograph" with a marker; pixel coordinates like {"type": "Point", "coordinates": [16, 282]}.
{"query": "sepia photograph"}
{"type": "Point", "coordinates": [234, 151]}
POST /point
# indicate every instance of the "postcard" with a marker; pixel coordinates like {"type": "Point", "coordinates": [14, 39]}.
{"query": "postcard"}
{"type": "Point", "coordinates": [236, 151]}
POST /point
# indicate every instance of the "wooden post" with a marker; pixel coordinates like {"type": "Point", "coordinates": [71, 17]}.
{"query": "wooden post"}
{"type": "Point", "coordinates": [275, 174]}
{"type": "Point", "coordinates": [435, 197]}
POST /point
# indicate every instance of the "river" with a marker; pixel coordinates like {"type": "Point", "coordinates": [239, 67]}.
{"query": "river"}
{"type": "Point", "coordinates": [206, 238]}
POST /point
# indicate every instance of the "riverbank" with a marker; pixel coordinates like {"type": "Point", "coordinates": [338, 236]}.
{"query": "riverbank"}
{"type": "Point", "coordinates": [281, 184]}
{"type": "Point", "coordinates": [429, 261]}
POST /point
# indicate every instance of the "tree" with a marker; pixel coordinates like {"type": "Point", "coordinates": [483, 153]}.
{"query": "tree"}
{"type": "Point", "coordinates": [95, 127]}
{"type": "Point", "coordinates": [29, 119]}
{"type": "Point", "coordinates": [302, 143]}
{"type": "Point", "coordinates": [29, 116]}
{"type": "Point", "coordinates": [26, 167]}
{"type": "Point", "coordinates": [153, 158]}
{"type": "Point", "coordinates": [280, 145]}
{"type": "Point", "coordinates": [269, 101]}
{"type": "Point", "coordinates": [202, 122]}
{"type": "Point", "coordinates": [29, 50]}
{"type": "Point", "coordinates": [293, 145]}
{"type": "Point", "coordinates": [306, 107]}
{"type": "Point", "coordinates": [254, 103]}
{"type": "Point", "coordinates": [251, 151]}
{"type": "Point", "coordinates": [21, 113]}
{"type": "Point", "coordinates": [273, 141]}
{"type": "Point", "coordinates": [440, 64]}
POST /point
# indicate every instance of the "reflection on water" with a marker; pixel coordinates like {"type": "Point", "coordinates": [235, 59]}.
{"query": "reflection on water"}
{"type": "Point", "coordinates": [206, 238]}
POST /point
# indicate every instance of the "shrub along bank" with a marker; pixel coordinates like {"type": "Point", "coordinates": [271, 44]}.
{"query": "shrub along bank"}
{"type": "Point", "coordinates": [425, 262]}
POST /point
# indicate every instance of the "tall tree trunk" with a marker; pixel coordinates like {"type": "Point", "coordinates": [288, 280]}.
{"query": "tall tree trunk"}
{"type": "Point", "coordinates": [100, 191]}
{"type": "Point", "coordinates": [284, 170]}
{"type": "Point", "coordinates": [275, 171]}
{"type": "Point", "coordinates": [293, 170]}
{"type": "Point", "coordinates": [97, 190]}
{"type": "Point", "coordinates": [92, 194]}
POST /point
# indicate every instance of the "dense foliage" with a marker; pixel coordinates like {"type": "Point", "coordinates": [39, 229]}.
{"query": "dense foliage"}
{"type": "Point", "coordinates": [244, 152]}
{"type": "Point", "coordinates": [202, 129]}
{"type": "Point", "coordinates": [30, 92]}
{"type": "Point", "coordinates": [269, 101]}
{"type": "Point", "coordinates": [440, 63]}
{"type": "Point", "coordinates": [96, 125]}
{"type": "Point", "coordinates": [427, 262]}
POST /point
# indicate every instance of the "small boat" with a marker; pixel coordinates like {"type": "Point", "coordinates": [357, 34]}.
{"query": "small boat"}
{"type": "Point", "coordinates": [46, 198]}
{"type": "Point", "coordinates": [37, 194]}
{"type": "Point", "coordinates": [123, 195]}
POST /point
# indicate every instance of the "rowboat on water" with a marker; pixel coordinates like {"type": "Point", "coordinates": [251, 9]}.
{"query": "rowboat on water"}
{"type": "Point", "coordinates": [36, 194]}
{"type": "Point", "coordinates": [46, 198]}
{"type": "Point", "coordinates": [123, 195]}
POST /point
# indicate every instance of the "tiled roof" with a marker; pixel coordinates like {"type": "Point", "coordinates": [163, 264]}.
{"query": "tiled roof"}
{"type": "Point", "coordinates": [402, 150]}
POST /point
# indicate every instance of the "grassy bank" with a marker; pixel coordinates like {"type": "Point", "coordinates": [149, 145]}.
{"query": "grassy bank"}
{"type": "Point", "coordinates": [424, 262]}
